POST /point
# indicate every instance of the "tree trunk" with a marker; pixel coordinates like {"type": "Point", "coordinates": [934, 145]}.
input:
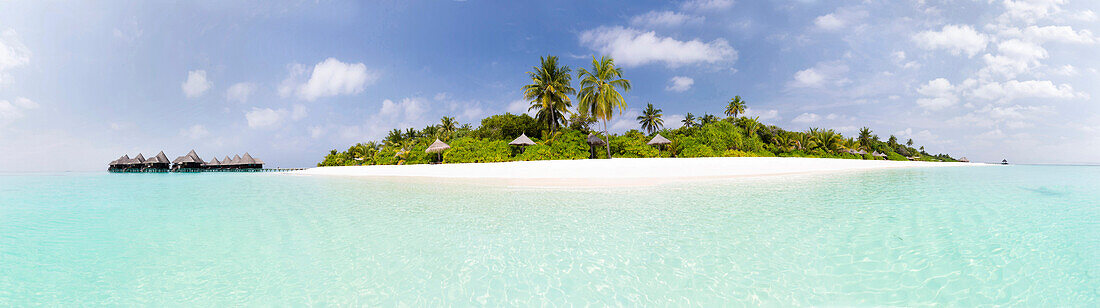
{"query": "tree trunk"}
{"type": "Point", "coordinates": [608, 137]}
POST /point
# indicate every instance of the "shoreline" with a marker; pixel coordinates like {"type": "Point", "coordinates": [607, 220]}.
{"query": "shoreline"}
{"type": "Point", "coordinates": [622, 170]}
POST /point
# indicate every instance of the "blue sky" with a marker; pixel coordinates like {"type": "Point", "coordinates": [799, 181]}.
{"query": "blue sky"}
{"type": "Point", "coordinates": [82, 83]}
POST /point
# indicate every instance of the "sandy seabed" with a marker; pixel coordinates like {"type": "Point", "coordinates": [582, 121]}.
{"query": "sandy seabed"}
{"type": "Point", "coordinates": [622, 171]}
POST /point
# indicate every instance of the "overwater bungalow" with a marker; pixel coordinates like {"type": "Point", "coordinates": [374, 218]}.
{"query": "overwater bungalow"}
{"type": "Point", "coordinates": [212, 164]}
{"type": "Point", "coordinates": [1004, 161]}
{"type": "Point", "coordinates": [157, 163]}
{"type": "Point", "coordinates": [247, 162]}
{"type": "Point", "coordinates": [190, 162]}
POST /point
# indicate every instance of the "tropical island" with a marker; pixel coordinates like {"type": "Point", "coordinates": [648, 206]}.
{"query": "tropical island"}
{"type": "Point", "coordinates": [571, 124]}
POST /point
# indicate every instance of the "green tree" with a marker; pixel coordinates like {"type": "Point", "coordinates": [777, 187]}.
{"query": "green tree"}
{"type": "Point", "coordinates": [909, 142]}
{"type": "Point", "coordinates": [735, 107]}
{"type": "Point", "coordinates": [707, 119]}
{"type": "Point", "coordinates": [893, 141]}
{"type": "Point", "coordinates": [865, 136]}
{"type": "Point", "coordinates": [689, 120]}
{"type": "Point", "coordinates": [447, 126]}
{"type": "Point", "coordinates": [599, 95]}
{"type": "Point", "coordinates": [551, 85]}
{"type": "Point", "coordinates": [651, 119]}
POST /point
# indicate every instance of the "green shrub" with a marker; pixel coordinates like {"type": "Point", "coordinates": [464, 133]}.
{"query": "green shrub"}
{"type": "Point", "coordinates": [895, 156]}
{"type": "Point", "coordinates": [473, 150]}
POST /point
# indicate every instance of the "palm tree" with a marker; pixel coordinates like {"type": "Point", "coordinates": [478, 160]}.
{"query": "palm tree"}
{"type": "Point", "coordinates": [865, 136]}
{"type": "Point", "coordinates": [909, 142]}
{"type": "Point", "coordinates": [599, 95]}
{"type": "Point", "coordinates": [751, 125]}
{"type": "Point", "coordinates": [689, 120]}
{"type": "Point", "coordinates": [551, 85]}
{"type": "Point", "coordinates": [707, 119]}
{"type": "Point", "coordinates": [735, 107]}
{"type": "Point", "coordinates": [447, 125]}
{"type": "Point", "coordinates": [651, 119]}
{"type": "Point", "coordinates": [892, 141]}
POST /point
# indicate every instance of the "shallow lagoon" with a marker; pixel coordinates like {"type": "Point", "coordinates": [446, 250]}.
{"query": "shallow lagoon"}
{"type": "Point", "coordinates": [962, 236]}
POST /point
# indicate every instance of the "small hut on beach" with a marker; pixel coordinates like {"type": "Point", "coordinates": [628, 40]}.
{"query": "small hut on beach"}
{"type": "Point", "coordinates": [877, 154]}
{"type": "Point", "coordinates": [594, 142]}
{"type": "Point", "coordinates": [964, 160]}
{"type": "Point", "coordinates": [437, 147]}
{"type": "Point", "coordinates": [659, 141]}
{"type": "Point", "coordinates": [522, 141]}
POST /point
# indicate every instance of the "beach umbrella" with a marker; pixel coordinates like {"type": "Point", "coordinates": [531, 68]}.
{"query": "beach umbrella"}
{"type": "Point", "coordinates": [659, 141]}
{"type": "Point", "coordinates": [437, 147]}
{"type": "Point", "coordinates": [522, 141]}
{"type": "Point", "coordinates": [593, 140]}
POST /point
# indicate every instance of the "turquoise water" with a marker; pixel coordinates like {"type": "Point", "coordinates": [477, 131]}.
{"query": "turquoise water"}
{"type": "Point", "coordinates": [958, 236]}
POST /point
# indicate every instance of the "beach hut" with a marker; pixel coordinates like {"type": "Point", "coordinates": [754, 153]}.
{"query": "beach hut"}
{"type": "Point", "coordinates": [877, 154]}
{"type": "Point", "coordinates": [659, 141]}
{"type": "Point", "coordinates": [522, 141]}
{"type": "Point", "coordinates": [437, 147]}
{"type": "Point", "coordinates": [593, 142]}
{"type": "Point", "coordinates": [964, 160]}
{"type": "Point", "coordinates": [157, 163]}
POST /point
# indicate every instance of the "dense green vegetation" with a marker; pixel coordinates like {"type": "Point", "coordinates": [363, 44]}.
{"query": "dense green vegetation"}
{"type": "Point", "coordinates": [562, 133]}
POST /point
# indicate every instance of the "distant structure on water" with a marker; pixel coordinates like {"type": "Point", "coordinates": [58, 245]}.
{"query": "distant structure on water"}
{"type": "Point", "coordinates": [186, 163]}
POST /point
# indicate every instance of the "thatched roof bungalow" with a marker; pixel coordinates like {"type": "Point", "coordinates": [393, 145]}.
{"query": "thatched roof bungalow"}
{"type": "Point", "coordinates": [159, 162]}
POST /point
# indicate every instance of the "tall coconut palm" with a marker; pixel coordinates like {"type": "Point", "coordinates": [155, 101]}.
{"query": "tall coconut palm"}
{"type": "Point", "coordinates": [909, 142]}
{"type": "Point", "coordinates": [689, 120]}
{"type": "Point", "coordinates": [735, 107]}
{"type": "Point", "coordinates": [447, 125]}
{"type": "Point", "coordinates": [707, 119]}
{"type": "Point", "coordinates": [551, 85]}
{"type": "Point", "coordinates": [599, 95]}
{"type": "Point", "coordinates": [865, 136]}
{"type": "Point", "coordinates": [651, 119]}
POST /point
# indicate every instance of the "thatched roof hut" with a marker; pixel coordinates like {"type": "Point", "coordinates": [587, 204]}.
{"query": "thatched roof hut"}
{"type": "Point", "coordinates": [522, 140]}
{"type": "Point", "coordinates": [877, 154]}
{"type": "Point", "coordinates": [437, 146]}
{"type": "Point", "coordinates": [595, 140]}
{"type": "Point", "coordinates": [137, 160]}
{"type": "Point", "coordinates": [124, 159]}
{"type": "Point", "coordinates": [658, 140]}
{"type": "Point", "coordinates": [213, 162]}
{"type": "Point", "coordinates": [964, 160]}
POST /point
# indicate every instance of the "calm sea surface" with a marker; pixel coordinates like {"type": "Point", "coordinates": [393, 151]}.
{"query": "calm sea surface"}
{"type": "Point", "coordinates": [958, 236]}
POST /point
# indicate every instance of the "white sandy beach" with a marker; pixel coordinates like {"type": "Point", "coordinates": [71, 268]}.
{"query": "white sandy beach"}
{"type": "Point", "coordinates": [642, 169]}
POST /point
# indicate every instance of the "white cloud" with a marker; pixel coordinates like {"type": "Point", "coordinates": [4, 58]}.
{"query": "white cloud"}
{"type": "Point", "coordinates": [316, 131]}
{"type": "Point", "coordinates": [673, 121]}
{"type": "Point", "coordinates": [1030, 11]}
{"type": "Point", "coordinates": [196, 84]}
{"type": "Point", "coordinates": [655, 19]}
{"type": "Point", "coordinates": [263, 118]}
{"type": "Point", "coordinates": [12, 51]}
{"type": "Point", "coordinates": [625, 121]}
{"type": "Point", "coordinates": [196, 131]}
{"type": "Point", "coordinates": [954, 38]}
{"type": "Point", "coordinates": [10, 110]}
{"type": "Point", "coordinates": [240, 91]}
{"type": "Point", "coordinates": [1014, 89]}
{"type": "Point", "coordinates": [441, 96]}
{"type": "Point", "coordinates": [923, 136]}
{"type": "Point", "coordinates": [806, 118]}
{"type": "Point", "coordinates": [328, 78]}
{"type": "Point", "coordinates": [407, 110]}
{"type": "Point", "coordinates": [297, 112]}
{"type": "Point", "coordinates": [821, 75]}
{"type": "Point", "coordinates": [940, 94]}
{"type": "Point", "coordinates": [840, 19]}
{"type": "Point", "coordinates": [631, 47]}
{"type": "Point", "coordinates": [706, 5]}
{"type": "Point", "coordinates": [679, 84]}
{"type": "Point", "coordinates": [1060, 34]}
{"type": "Point", "coordinates": [764, 115]}
{"type": "Point", "coordinates": [518, 107]}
